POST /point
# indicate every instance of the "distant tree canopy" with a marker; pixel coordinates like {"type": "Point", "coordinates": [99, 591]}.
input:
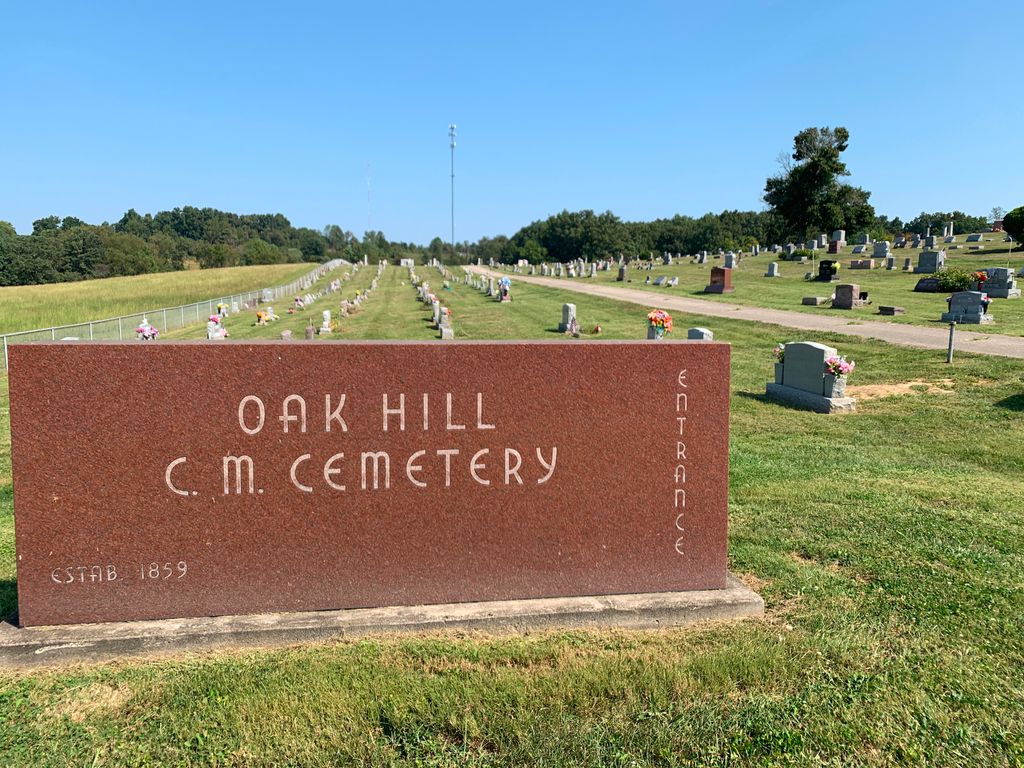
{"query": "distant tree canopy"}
{"type": "Point", "coordinates": [1013, 223]}
{"type": "Point", "coordinates": [963, 224]}
{"type": "Point", "coordinates": [807, 195]}
{"type": "Point", "coordinates": [70, 249]}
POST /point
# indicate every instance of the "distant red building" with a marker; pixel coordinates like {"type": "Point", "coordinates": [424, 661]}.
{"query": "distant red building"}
{"type": "Point", "coordinates": [997, 225]}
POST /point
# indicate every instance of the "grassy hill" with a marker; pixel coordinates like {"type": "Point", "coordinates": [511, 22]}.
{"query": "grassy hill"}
{"type": "Point", "coordinates": [25, 307]}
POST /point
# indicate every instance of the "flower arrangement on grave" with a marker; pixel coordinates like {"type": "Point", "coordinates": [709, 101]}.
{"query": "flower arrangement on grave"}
{"type": "Point", "coordinates": [839, 366]}
{"type": "Point", "coordinates": [214, 318]}
{"type": "Point", "coordinates": [597, 329]}
{"type": "Point", "coordinates": [981, 277]}
{"type": "Point", "coordinates": [261, 317]}
{"type": "Point", "coordinates": [779, 353]}
{"type": "Point", "coordinates": [660, 321]}
{"type": "Point", "coordinates": [147, 331]}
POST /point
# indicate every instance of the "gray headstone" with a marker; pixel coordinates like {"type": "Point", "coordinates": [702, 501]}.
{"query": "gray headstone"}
{"type": "Point", "coordinates": [805, 365]}
{"type": "Point", "coordinates": [700, 334]}
{"type": "Point", "coordinates": [568, 315]}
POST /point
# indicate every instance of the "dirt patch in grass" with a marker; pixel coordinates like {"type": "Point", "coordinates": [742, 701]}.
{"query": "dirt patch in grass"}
{"type": "Point", "coordinates": [97, 699]}
{"type": "Point", "coordinates": [875, 391]}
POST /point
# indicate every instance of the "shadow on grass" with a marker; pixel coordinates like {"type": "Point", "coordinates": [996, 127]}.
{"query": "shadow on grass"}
{"type": "Point", "coordinates": [761, 397]}
{"type": "Point", "coordinates": [1011, 403]}
{"type": "Point", "coordinates": [9, 601]}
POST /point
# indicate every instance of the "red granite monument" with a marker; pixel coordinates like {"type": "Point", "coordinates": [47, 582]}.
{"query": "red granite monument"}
{"type": "Point", "coordinates": [171, 480]}
{"type": "Point", "coordinates": [721, 281]}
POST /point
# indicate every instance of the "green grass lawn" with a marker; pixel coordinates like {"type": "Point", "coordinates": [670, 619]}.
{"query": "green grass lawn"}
{"type": "Point", "coordinates": [894, 288]}
{"type": "Point", "coordinates": [26, 307]}
{"type": "Point", "coordinates": [889, 546]}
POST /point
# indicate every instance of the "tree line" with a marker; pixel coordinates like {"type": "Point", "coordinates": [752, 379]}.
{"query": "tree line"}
{"type": "Point", "coordinates": [805, 198]}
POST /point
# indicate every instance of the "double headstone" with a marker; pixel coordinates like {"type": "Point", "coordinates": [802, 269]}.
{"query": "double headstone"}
{"type": "Point", "coordinates": [968, 308]}
{"type": "Point", "coordinates": [1001, 283]}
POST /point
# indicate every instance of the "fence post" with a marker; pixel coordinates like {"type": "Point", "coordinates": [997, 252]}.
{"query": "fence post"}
{"type": "Point", "coordinates": [90, 330]}
{"type": "Point", "coordinates": [165, 320]}
{"type": "Point", "coordinates": [6, 364]}
{"type": "Point", "coordinates": [120, 333]}
{"type": "Point", "coordinates": [53, 334]}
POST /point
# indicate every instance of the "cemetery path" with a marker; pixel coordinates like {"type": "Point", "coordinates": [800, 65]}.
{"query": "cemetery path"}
{"type": "Point", "coordinates": [894, 333]}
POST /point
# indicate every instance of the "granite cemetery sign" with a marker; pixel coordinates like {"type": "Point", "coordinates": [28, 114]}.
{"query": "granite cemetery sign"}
{"type": "Point", "coordinates": [187, 480]}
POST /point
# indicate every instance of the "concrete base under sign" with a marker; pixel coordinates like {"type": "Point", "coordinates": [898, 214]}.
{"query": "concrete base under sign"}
{"type": "Point", "coordinates": [41, 646]}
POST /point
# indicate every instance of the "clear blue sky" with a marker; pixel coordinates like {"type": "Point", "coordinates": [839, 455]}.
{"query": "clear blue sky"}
{"type": "Point", "coordinates": [646, 109]}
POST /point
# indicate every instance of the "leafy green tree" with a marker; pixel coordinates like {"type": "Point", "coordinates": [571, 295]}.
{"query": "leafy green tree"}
{"type": "Point", "coordinates": [807, 195]}
{"type": "Point", "coordinates": [1013, 223]}
{"type": "Point", "coordinates": [258, 251]}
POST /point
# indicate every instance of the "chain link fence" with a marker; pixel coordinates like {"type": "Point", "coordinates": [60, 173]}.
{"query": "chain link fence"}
{"type": "Point", "coordinates": [165, 318]}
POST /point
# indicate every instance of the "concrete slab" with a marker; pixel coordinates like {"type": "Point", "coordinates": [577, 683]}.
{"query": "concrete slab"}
{"type": "Point", "coordinates": [808, 400]}
{"type": "Point", "coordinates": [91, 643]}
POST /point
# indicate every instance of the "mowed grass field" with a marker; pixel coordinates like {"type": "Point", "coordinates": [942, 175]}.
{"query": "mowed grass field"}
{"type": "Point", "coordinates": [888, 544]}
{"type": "Point", "coordinates": [26, 307]}
{"type": "Point", "coordinates": [895, 288]}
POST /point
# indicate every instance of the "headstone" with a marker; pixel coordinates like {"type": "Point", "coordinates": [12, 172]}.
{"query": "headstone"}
{"type": "Point", "coordinates": [847, 297]}
{"type": "Point", "coordinates": [331, 531]}
{"type": "Point", "coordinates": [828, 270]}
{"type": "Point", "coordinates": [721, 281]}
{"type": "Point", "coordinates": [882, 249]}
{"type": "Point", "coordinates": [839, 236]}
{"type": "Point", "coordinates": [862, 264]}
{"type": "Point", "coordinates": [666, 259]}
{"type": "Point", "coordinates": [699, 334]}
{"type": "Point", "coordinates": [660, 280]}
{"type": "Point", "coordinates": [730, 260]}
{"type": "Point", "coordinates": [908, 264]}
{"type": "Point", "coordinates": [931, 241]}
{"type": "Point", "coordinates": [930, 261]}
{"type": "Point", "coordinates": [490, 286]}
{"type": "Point", "coordinates": [975, 238]}
{"type": "Point", "coordinates": [568, 315]}
{"type": "Point", "coordinates": [857, 249]}
{"type": "Point", "coordinates": [890, 263]}
{"type": "Point", "coordinates": [864, 239]}
{"type": "Point", "coordinates": [891, 311]}
{"type": "Point", "coordinates": [927, 285]}
{"type": "Point", "coordinates": [1001, 283]}
{"type": "Point", "coordinates": [286, 335]}
{"type": "Point", "coordinates": [310, 333]}
{"type": "Point", "coordinates": [968, 308]}
{"type": "Point", "coordinates": [805, 365]}
{"type": "Point", "coordinates": [834, 247]}
{"type": "Point", "coordinates": [773, 269]}
{"type": "Point", "coordinates": [622, 274]}
{"type": "Point", "coordinates": [325, 325]}
{"type": "Point", "coordinates": [814, 301]}
{"type": "Point", "coordinates": [822, 240]}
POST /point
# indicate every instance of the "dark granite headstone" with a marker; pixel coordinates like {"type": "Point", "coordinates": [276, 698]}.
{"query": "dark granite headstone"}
{"type": "Point", "coordinates": [828, 270]}
{"type": "Point", "coordinates": [927, 285]}
{"type": "Point", "coordinates": [189, 479]}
